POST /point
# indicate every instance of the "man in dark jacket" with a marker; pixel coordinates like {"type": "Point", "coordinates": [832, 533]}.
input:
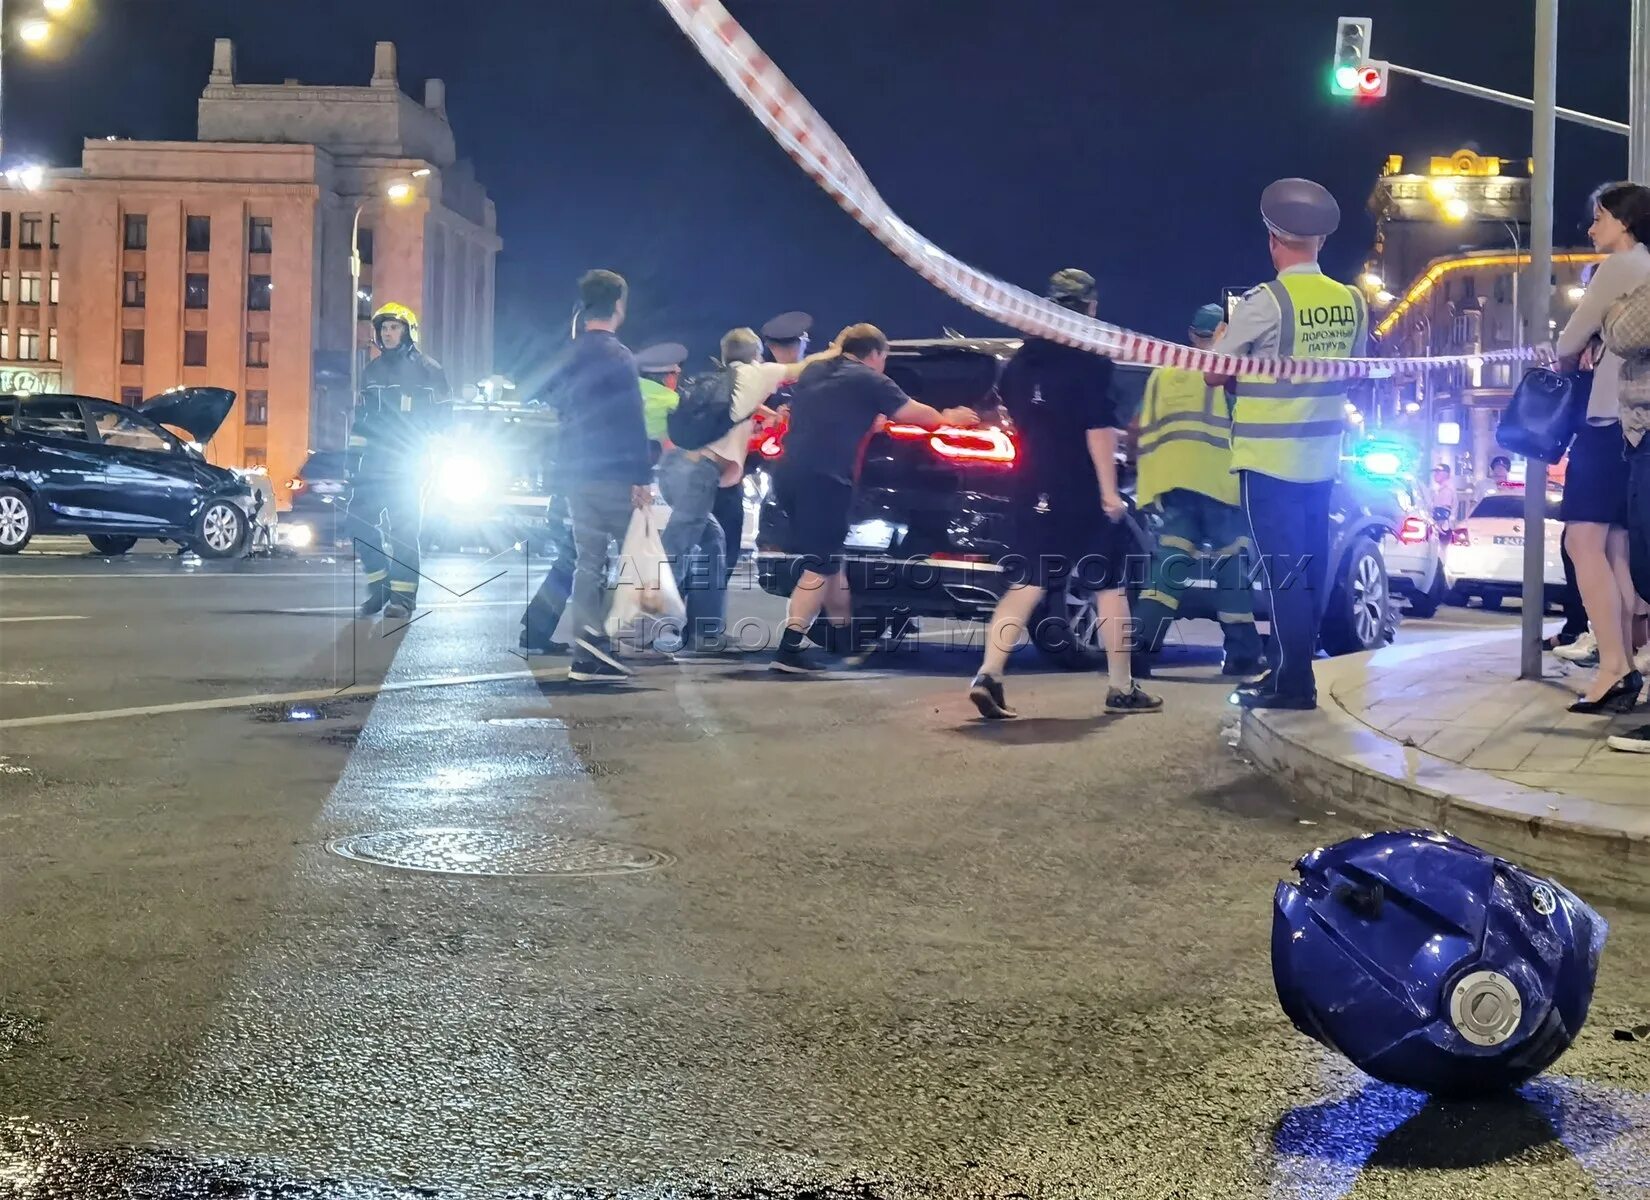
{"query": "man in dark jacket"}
{"type": "Point", "coordinates": [604, 461]}
{"type": "Point", "coordinates": [404, 399]}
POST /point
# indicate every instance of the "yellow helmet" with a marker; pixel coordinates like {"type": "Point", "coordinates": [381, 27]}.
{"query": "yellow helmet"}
{"type": "Point", "coordinates": [394, 312]}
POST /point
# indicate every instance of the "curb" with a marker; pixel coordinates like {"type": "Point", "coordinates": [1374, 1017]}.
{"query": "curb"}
{"type": "Point", "coordinates": [1332, 760]}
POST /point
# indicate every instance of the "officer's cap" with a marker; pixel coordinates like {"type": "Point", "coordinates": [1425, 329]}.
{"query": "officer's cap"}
{"type": "Point", "coordinates": [1299, 208]}
{"type": "Point", "coordinates": [661, 359]}
{"type": "Point", "coordinates": [787, 327]}
{"type": "Point", "coordinates": [1071, 284]}
{"type": "Point", "coordinates": [1208, 319]}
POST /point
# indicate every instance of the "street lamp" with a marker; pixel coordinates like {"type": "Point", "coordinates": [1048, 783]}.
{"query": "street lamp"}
{"type": "Point", "coordinates": [397, 191]}
{"type": "Point", "coordinates": [34, 32]}
{"type": "Point", "coordinates": [57, 8]}
{"type": "Point", "coordinates": [1456, 209]}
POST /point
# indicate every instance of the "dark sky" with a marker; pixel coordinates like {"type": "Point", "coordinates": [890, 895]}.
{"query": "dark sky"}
{"type": "Point", "coordinates": [1022, 135]}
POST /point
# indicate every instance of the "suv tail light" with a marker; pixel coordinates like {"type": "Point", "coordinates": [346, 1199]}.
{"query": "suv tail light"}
{"type": "Point", "coordinates": [1458, 536]}
{"type": "Point", "coordinates": [296, 485]}
{"type": "Point", "coordinates": [772, 445]}
{"type": "Point", "coordinates": [988, 446]}
{"type": "Point", "coordinates": [1414, 531]}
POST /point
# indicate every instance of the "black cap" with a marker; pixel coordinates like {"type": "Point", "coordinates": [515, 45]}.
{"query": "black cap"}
{"type": "Point", "coordinates": [788, 327]}
{"type": "Point", "coordinates": [1299, 208]}
{"type": "Point", "coordinates": [1071, 284]}
{"type": "Point", "coordinates": [661, 359]}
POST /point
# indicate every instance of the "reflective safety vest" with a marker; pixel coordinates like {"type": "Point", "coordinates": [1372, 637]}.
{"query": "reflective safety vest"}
{"type": "Point", "coordinates": [1185, 438]}
{"type": "Point", "coordinates": [657, 403]}
{"type": "Point", "coordinates": [1292, 428]}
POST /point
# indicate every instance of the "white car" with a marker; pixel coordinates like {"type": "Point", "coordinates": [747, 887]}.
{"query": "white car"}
{"type": "Point", "coordinates": [1485, 557]}
{"type": "Point", "coordinates": [1414, 551]}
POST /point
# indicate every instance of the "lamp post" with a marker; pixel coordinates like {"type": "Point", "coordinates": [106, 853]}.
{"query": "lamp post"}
{"type": "Point", "coordinates": [31, 31]}
{"type": "Point", "coordinates": [398, 191]}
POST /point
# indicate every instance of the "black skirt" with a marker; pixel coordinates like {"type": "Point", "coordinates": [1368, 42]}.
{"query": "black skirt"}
{"type": "Point", "coordinates": [1595, 482]}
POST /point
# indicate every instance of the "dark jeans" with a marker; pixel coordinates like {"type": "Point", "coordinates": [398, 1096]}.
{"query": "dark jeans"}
{"type": "Point", "coordinates": [695, 543]}
{"type": "Point", "coordinates": [729, 511]}
{"type": "Point", "coordinates": [1289, 527]}
{"type": "Point", "coordinates": [385, 519]}
{"type": "Point", "coordinates": [550, 601]}
{"type": "Point", "coordinates": [1638, 516]}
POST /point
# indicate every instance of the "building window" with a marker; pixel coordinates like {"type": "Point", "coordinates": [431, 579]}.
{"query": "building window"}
{"type": "Point", "coordinates": [28, 287]}
{"type": "Point", "coordinates": [195, 290]}
{"type": "Point", "coordinates": [55, 292]}
{"type": "Point", "coordinates": [364, 242]}
{"type": "Point", "coordinates": [257, 408]}
{"type": "Point", "coordinates": [131, 347]}
{"type": "Point", "coordinates": [198, 235]}
{"type": "Point", "coordinates": [5, 344]}
{"type": "Point", "coordinates": [51, 345]}
{"type": "Point", "coordinates": [5, 287]}
{"type": "Point", "coordinates": [260, 235]}
{"type": "Point", "coordinates": [134, 292]}
{"type": "Point", "coordinates": [56, 229]}
{"type": "Point", "coordinates": [257, 349]}
{"type": "Point", "coordinates": [137, 231]}
{"type": "Point", "coordinates": [131, 396]}
{"type": "Point", "coordinates": [259, 289]}
{"type": "Point", "coordinates": [194, 348]}
{"type": "Point", "coordinates": [28, 345]}
{"type": "Point", "coordinates": [5, 231]}
{"type": "Point", "coordinates": [363, 303]}
{"type": "Point", "coordinates": [28, 231]}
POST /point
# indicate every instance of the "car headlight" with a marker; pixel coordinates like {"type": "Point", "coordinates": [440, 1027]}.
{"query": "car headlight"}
{"type": "Point", "coordinates": [296, 535]}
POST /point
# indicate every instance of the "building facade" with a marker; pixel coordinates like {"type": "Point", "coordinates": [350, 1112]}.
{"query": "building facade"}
{"type": "Point", "coordinates": [226, 260]}
{"type": "Point", "coordinates": [1451, 256]}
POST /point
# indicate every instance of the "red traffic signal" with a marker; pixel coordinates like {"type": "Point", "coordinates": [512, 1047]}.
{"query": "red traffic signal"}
{"type": "Point", "coordinates": [1372, 80]}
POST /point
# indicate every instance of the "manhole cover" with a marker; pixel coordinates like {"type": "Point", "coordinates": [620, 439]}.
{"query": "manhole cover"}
{"type": "Point", "coordinates": [496, 852]}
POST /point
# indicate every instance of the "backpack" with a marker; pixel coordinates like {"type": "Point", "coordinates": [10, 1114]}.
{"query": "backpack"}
{"type": "Point", "coordinates": [705, 412]}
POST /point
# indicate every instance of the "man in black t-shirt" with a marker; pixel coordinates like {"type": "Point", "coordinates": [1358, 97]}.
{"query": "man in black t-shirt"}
{"type": "Point", "coordinates": [834, 406]}
{"type": "Point", "coordinates": [1068, 514]}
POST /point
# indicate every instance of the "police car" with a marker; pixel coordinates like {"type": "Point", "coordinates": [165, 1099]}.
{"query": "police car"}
{"type": "Point", "coordinates": [1485, 557]}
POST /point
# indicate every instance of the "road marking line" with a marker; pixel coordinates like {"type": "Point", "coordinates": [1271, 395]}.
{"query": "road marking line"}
{"type": "Point", "coordinates": [350, 608]}
{"type": "Point", "coordinates": [227, 702]}
{"type": "Point", "coordinates": [6, 620]}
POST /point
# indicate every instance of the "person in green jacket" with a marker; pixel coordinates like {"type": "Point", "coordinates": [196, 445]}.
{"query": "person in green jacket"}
{"type": "Point", "coordinates": [661, 370]}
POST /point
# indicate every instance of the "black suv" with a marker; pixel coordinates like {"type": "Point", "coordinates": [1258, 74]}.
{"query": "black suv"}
{"type": "Point", "coordinates": [930, 522]}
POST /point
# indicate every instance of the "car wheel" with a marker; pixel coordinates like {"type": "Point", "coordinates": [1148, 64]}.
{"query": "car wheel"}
{"type": "Point", "coordinates": [1357, 618]}
{"type": "Point", "coordinates": [220, 530]}
{"type": "Point", "coordinates": [1426, 605]}
{"type": "Point", "coordinates": [111, 544]}
{"type": "Point", "coordinates": [1066, 630]}
{"type": "Point", "coordinates": [16, 520]}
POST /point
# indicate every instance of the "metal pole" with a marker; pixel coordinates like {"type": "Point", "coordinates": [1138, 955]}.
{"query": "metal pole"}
{"type": "Point", "coordinates": [1538, 295]}
{"type": "Point", "coordinates": [354, 304]}
{"type": "Point", "coordinates": [1528, 105]}
{"type": "Point", "coordinates": [1638, 102]}
{"type": "Point", "coordinates": [3, 32]}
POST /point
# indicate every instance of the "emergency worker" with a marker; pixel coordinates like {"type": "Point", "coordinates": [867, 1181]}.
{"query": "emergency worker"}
{"type": "Point", "coordinates": [1183, 449]}
{"type": "Point", "coordinates": [404, 401]}
{"type": "Point", "coordinates": [1286, 433]}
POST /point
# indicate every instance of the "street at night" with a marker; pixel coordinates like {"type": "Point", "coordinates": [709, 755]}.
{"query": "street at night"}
{"type": "Point", "coordinates": [826, 938]}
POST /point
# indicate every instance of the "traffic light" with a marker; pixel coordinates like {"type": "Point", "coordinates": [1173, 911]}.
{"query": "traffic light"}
{"type": "Point", "coordinates": [1354, 73]}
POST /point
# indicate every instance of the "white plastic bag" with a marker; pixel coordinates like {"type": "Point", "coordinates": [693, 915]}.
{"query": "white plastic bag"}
{"type": "Point", "coordinates": [646, 600]}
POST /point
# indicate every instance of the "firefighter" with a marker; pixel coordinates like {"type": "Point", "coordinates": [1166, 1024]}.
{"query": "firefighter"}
{"type": "Point", "coordinates": [404, 399]}
{"type": "Point", "coordinates": [1184, 449]}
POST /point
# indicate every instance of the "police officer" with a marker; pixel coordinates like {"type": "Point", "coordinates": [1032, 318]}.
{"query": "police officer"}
{"type": "Point", "coordinates": [1286, 433]}
{"type": "Point", "coordinates": [1183, 448]}
{"type": "Point", "coordinates": [786, 336]}
{"type": "Point", "coordinates": [661, 370]}
{"type": "Point", "coordinates": [404, 399]}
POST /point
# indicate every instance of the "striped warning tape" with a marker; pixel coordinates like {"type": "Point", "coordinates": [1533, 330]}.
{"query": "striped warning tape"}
{"type": "Point", "coordinates": [816, 148]}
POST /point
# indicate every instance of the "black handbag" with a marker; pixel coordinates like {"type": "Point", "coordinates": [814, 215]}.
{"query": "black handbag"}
{"type": "Point", "coordinates": [1545, 414]}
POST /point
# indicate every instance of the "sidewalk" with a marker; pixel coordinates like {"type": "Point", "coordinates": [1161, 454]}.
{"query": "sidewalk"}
{"type": "Point", "coordinates": [1444, 735]}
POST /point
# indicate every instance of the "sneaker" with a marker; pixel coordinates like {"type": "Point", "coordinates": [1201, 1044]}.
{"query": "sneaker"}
{"type": "Point", "coordinates": [551, 647]}
{"type": "Point", "coordinates": [1636, 741]}
{"type": "Point", "coordinates": [796, 662]}
{"type": "Point", "coordinates": [1132, 701]}
{"type": "Point", "coordinates": [594, 670]}
{"type": "Point", "coordinates": [987, 694]}
{"type": "Point", "coordinates": [1260, 694]}
{"type": "Point", "coordinates": [593, 647]}
{"type": "Point", "coordinates": [1578, 651]}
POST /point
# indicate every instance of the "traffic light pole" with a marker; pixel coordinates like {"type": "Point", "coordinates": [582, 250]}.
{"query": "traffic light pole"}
{"type": "Point", "coordinates": [1524, 102]}
{"type": "Point", "coordinates": [1538, 296]}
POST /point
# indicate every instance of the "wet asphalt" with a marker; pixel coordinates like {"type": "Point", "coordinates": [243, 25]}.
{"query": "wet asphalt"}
{"type": "Point", "coordinates": [828, 938]}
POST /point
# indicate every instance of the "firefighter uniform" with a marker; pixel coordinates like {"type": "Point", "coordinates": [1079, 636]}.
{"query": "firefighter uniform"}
{"type": "Point", "coordinates": [1183, 449]}
{"type": "Point", "coordinates": [1286, 433]}
{"type": "Point", "coordinates": [403, 402]}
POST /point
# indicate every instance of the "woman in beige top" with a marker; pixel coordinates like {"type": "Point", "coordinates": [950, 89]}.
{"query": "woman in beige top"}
{"type": "Point", "coordinates": [1594, 509]}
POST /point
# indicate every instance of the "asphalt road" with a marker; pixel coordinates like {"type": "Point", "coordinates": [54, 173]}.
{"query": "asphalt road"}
{"type": "Point", "coordinates": [819, 938]}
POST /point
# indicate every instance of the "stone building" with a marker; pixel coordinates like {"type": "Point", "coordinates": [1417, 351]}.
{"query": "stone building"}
{"type": "Point", "coordinates": [226, 260]}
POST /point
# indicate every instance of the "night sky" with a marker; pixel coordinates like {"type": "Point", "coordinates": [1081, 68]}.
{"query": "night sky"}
{"type": "Point", "coordinates": [1022, 135]}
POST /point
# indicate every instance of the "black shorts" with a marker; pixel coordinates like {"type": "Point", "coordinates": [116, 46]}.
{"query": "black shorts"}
{"type": "Point", "coordinates": [1074, 543]}
{"type": "Point", "coordinates": [818, 508]}
{"type": "Point", "coordinates": [1595, 482]}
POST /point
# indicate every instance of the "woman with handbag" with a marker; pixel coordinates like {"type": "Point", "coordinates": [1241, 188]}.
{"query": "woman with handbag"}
{"type": "Point", "coordinates": [1594, 509]}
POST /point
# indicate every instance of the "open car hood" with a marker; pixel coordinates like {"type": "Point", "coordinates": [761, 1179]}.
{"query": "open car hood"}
{"type": "Point", "coordinates": [198, 411]}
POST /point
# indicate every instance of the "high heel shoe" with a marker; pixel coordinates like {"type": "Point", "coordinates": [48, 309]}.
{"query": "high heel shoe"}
{"type": "Point", "coordinates": [1623, 697]}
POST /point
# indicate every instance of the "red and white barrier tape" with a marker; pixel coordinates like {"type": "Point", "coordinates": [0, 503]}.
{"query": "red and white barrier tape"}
{"type": "Point", "coordinates": [817, 150]}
